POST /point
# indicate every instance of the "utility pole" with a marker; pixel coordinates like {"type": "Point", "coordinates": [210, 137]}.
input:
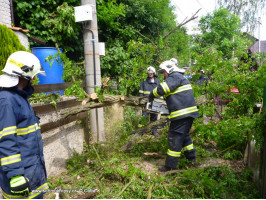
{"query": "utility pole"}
{"type": "Point", "coordinates": [259, 33]}
{"type": "Point", "coordinates": [93, 71]}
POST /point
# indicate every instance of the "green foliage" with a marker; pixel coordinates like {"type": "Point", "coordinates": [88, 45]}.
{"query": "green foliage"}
{"type": "Point", "coordinates": [134, 38]}
{"type": "Point", "coordinates": [220, 30]}
{"type": "Point", "coordinates": [73, 72]}
{"type": "Point", "coordinates": [232, 134]}
{"type": "Point", "coordinates": [63, 29]}
{"type": "Point", "coordinates": [75, 89]}
{"type": "Point", "coordinates": [123, 175]}
{"type": "Point", "coordinates": [51, 21]}
{"type": "Point", "coordinates": [43, 98]}
{"type": "Point", "coordinates": [9, 43]}
{"type": "Point", "coordinates": [133, 32]}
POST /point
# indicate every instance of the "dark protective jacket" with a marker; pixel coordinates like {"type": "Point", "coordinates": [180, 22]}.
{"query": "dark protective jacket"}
{"type": "Point", "coordinates": [177, 91]}
{"type": "Point", "coordinates": [21, 147]}
{"type": "Point", "coordinates": [146, 87]}
{"type": "Point", "coordinates": [202, 80]}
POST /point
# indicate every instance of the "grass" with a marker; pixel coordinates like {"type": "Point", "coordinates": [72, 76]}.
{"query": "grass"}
{"type": "Point", "coordinates": [133, 175]}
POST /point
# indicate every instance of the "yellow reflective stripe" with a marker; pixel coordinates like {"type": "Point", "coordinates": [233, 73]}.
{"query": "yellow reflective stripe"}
{"type": "Point", "coordinates": [140, 125]}
{"type": "Point", "coordinates": [173, 153]}
{"type": "Point", "coordinates": [165, 87]}
{"type": "Point", "coordinates": [180, 89]}
{"type": "Point", "coordinates": [14, 62]}
{"type": "Point", "coordinates": [29, 129]}
{"type": "Point", "coordinates": [39, 190]}
{"type": "Point", "coordinates": [183, 112]}
{"type": "Point", "coordinates": [189, 147]}
{"type": "Point", "coordinates": [10, 159]}
{"type": "Point", "coordinates": [8, 131]}
{"type": "Point", "coordinates": [146, 92]}
{"type": "Point", "coordinates": [155, 92]}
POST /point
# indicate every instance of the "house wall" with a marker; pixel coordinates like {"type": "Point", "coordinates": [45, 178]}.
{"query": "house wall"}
{"type": "Point", "coordinates": [23, 39]}
{"type": "Point", "coordinates": [5, 18]}
{"type": "Point", "coordinates": [5, 15]}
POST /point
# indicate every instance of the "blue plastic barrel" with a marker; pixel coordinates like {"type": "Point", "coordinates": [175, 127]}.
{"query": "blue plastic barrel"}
{"type": "Point", "coordinates": [54, 73]}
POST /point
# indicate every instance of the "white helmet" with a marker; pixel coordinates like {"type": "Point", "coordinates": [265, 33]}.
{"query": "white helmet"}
{"type": "Point", "coordinates": [169, 67]}
{"type": "Point", "coordinates": [151, 69]}
{"type": "Point", "coordinates": [174, 61]}
{"type": "Point", "coordinates": [23, 64]}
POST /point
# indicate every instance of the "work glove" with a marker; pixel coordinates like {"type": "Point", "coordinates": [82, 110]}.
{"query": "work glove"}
{"type": "Point", "coordinates": [151, 98]}
{"type": "Point", "coordinates": [20, 185]}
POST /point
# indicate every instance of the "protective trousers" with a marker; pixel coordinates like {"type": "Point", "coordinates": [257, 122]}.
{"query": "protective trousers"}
{"type": "Point", "coordinates": [179, 139]}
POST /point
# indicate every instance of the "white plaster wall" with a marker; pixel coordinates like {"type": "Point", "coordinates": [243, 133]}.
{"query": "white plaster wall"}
{"type": "Point", "coordinates": [5, 15]}
{"type": "Point", "coordinates": [60, 144]}
{"type": "Point", "coordinates": [23, 39]}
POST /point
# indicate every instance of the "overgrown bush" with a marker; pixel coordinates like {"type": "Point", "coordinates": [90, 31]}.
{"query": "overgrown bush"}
{"type": "Point", "coordinates": [9, 43]}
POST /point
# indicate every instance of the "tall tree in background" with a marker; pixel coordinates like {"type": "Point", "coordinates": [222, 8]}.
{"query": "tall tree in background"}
{"type": "Point", "coordinates": [133, 31]}
{"type": "Point", "coordinates": [247, 10]}
{"type": "Point", "coordinates": [221, 30]}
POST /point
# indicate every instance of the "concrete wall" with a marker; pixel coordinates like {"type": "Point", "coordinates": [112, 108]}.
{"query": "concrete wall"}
{"type": "Point", "coordinates": [252, 159]}
{"type": "Point", "coordinates": [5, 15]}
{"type": "Point", "coordinates": [23, 39]}
{"type": "Point", "coordinates": [60, 143]}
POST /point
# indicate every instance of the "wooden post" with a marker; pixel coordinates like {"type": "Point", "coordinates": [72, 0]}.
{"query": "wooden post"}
{"type": "Point", "coordinates": [92, 69]}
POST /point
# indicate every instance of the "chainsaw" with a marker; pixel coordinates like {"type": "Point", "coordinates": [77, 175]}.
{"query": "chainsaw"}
{"type": "Point", "coordinates": [155, 107]}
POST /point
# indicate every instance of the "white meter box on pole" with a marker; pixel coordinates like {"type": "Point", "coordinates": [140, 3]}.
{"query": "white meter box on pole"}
{"type": "Point", "coordinates": [83, 13]}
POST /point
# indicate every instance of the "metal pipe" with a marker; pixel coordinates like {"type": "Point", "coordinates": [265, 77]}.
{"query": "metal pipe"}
{"type": "Point", "coordinates": [259, 34]}
{"type": "Point", "coordinates": [12, 11]}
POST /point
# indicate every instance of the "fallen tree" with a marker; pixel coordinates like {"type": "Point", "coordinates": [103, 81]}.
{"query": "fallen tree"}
{"type": "Point", "coordinates": [93, 101]}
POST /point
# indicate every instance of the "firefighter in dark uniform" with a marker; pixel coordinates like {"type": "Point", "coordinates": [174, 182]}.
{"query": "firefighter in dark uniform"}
{"type": "Point", "coordinates": [146, 88]}
{"type": "Point", "coordinates": [22, 169]}
{"type": "Point", "coordinates": [177, 91]}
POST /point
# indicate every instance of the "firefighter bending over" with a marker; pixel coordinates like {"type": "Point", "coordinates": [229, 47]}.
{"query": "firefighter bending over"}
{"type": "Point", "coordinates": [177, 91]}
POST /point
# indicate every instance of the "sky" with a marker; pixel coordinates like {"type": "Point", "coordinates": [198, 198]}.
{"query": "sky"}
{"type": "Point", "coordinates": [186, 8]}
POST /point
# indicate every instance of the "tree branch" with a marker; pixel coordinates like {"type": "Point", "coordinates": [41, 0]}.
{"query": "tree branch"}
{"type": "Point", "coordinates": [182, 24]}
{"type": "Point", "coordinates": [146, 38]}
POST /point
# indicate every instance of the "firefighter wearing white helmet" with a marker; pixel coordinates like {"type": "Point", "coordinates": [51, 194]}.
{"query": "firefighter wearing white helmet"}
{"type": "Point", "coordinates": [151, 70]}
{"type": "Point", "coordinates": [146, 87]}
{"type": "Point", "coordinates": [174, 61]}
{"type": "Point", "coordinates": [20, 64]}
{"type": "Point", "coordinates": [169, 67]}
{"type": "Point", "coordinates": [177, 92]}
{"type": "Point", "coordinates": [22, 171]}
